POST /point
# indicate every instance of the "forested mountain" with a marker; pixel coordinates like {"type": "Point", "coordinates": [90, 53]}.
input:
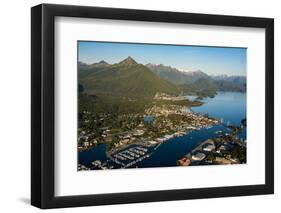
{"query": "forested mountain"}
{"type": "Point", "coordinates": [131, 79]}
{"type": "Point", "coordinates": [127, 78]}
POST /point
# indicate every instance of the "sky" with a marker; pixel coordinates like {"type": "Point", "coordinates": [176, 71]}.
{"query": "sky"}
{"type": "Point", "coordinates": [211, 60]}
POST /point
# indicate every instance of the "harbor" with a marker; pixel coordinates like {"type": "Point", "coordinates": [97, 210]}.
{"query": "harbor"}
{"type": "Point", "coordinates": [183, 144]}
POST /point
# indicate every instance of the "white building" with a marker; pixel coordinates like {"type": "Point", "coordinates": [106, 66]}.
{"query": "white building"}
{"type": "Point", "coordinates": [209, 148]}
{"type": "Point", "coordinates": [198, 156]}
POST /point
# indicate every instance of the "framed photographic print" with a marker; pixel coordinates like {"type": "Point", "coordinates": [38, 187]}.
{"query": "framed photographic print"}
{"type": "Point", "coordinates": [139, 106]}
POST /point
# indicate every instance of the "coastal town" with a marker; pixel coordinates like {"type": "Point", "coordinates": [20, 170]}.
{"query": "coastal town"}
{"type": "Point", "coordinates": [157, 124]}
{"type": "Point", "coordinates": [224, 149]}
{"type": "Point", "coordinates": [138, 112]}
{"type": "Point", "coordinates": [139, 135]}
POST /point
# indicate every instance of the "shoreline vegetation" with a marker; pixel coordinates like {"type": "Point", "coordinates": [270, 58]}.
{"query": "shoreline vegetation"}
{"type": "Point", "coordinates": [126, 104]}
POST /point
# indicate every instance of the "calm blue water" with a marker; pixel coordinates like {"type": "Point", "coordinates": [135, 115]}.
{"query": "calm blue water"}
{"type": "Point", "coordinates": [96, 153]}
{"type": "Point", "coordinates": [228, 106]}
{"type": "Point", "coordinates": [170, 151]}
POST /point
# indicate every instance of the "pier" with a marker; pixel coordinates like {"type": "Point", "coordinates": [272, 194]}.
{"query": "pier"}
{"type": "Point", "coordinates": [126, 157]}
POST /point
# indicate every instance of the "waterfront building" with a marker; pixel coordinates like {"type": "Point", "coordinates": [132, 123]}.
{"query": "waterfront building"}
{"type": "Point", "coordinates": [198, 156]}
{"type": "Point", "coordinates": [209, 148]}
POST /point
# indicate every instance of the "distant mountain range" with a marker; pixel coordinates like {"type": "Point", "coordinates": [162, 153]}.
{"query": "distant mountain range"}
{"type": "Point", "coordinates": [176, 76]}
{"type": "Point", "coordinates": [129, 78]}
{"type": "Point", "coordinates": [191, 78]}
{"type": "Point", "coordinates": [231, 83]}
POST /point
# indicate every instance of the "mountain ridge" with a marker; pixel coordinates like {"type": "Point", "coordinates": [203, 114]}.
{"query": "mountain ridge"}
{"type": "Point", "coordinates": [189, 79]}
{"type": "Point", "coordinates": [134, 79]}
{"type": "Point", "coordinates": [126, 78]}
{"type": "Point", "coordinates": [128, 61]}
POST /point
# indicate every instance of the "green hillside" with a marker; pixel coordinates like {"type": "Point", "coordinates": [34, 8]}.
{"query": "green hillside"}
{"type": "Point", "coordinates": [86, 70]}
{"type": "Point", "coordinates": [201, 87]}
{"type": "Point", "coordinates": [127, 78]}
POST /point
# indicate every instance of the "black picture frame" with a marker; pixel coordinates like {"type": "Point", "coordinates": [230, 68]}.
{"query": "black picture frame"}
{"type": "Point", "coordinates": [43, 117]}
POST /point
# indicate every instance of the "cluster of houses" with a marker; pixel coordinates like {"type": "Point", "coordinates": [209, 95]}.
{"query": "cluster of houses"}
{"type": "Point", "coordinates": [195, 119]}
{"type": "Point", "coordinates": [166, 110]}
{"type": "Point", "coordinates": [199, 155]}
{"type": "Point", "coordinates": [84, 141]}
{"type": "Point", "coordinates": [164, 126]}
{"type": "Point", "coordinates": [165, 96]}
